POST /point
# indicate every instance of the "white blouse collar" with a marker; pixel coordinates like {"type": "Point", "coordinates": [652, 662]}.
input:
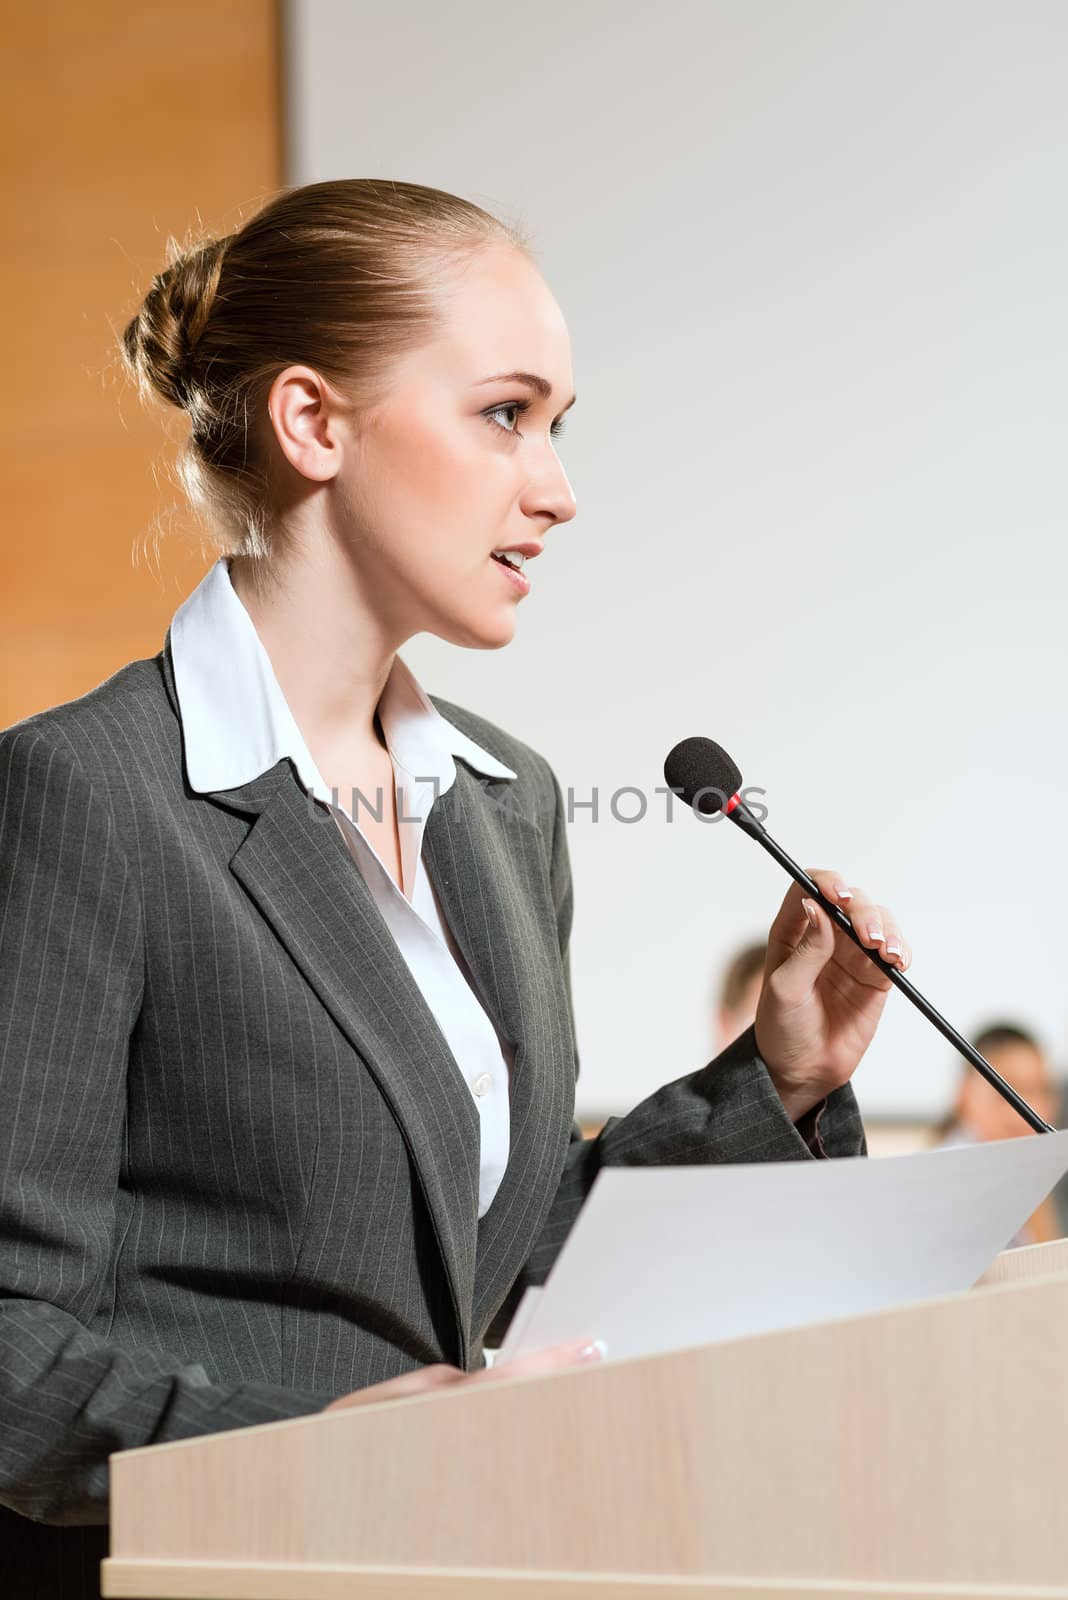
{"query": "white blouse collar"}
{"type": "Point", "coordinates": [237, 724]}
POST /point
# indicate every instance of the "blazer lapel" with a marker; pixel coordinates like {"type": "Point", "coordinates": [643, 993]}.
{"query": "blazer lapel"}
{"type": "Point", "coordinates": [488, 864]}
{"type": "Point", "coordinates": [296, 867]}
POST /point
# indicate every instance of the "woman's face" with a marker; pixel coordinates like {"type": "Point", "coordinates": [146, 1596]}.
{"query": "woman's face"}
{"type": "Point", "coordinates": [459, 462]}
{"type": "Point", "coordinates": [982, 1108]}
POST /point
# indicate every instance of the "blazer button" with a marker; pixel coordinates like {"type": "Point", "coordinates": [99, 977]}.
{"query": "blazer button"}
{"type": "Point", "coordinates": [482, 1084]}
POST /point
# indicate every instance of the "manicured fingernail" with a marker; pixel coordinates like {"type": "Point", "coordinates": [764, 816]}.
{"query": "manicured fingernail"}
{"type": "Point", "coordinates": [893, 949]}
{"type": "Point", "coordinates": [875, 931]}
{"type": "Point", "coordinates": [809, 908]}
{"type": "Point", "coordinates": [843, 891]}
{"type": "Point", "coordinates": [596, 1351]}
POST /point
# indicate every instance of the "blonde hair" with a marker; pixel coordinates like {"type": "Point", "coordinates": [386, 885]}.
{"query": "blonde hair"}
{"type": "Point", "coordinates": [344, 277]}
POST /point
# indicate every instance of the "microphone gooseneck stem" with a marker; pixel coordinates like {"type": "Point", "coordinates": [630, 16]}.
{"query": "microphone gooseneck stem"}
{"type": "Point", "coordinates": [744, 818]}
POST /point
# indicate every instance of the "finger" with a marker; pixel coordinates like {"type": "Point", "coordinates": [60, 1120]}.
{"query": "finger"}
{"type": "Point", "coordinates": [834, 887]}
{"type": "Point", "coordinates": [875, 925]}
{"type": "Point", "coordinates": [576, 1352]}
{"type": "Point", "coordinates": [439, 1375]}
{"type": "Point", "coordinates": [872, 922]}
{"type": "Point", "coordinates": [810, 940]}
{"type": "Point", "coordinates": [895, 947]}
{"type": "Point", "coordinates": [419, 1381]}
{"type": "Point", "coordinates": [790, 923]}
{"type": "Point", "coordinates": [877, 929]}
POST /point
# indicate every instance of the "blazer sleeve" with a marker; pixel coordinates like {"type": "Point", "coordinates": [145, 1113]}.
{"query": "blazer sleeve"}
{"type": "Point", "coordinates": [726, 1111]}
{"type": "Point", "coordinates": [71, 974]}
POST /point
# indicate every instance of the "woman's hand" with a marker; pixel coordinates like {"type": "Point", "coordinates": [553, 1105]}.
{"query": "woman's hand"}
{"type": "Point", "coordinates": [441, 1376]}
{"type": "Point", "coordinates": [822, 997]}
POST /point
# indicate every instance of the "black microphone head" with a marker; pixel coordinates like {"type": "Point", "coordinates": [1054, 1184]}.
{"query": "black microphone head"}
{"type": "Point", "coordinates": [703, 774]}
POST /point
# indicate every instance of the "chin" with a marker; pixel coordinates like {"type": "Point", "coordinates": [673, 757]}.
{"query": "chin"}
{"type": "Point", "coordinates": [489, 631]}
{"type": "Point", "coordinates": [466, 607]}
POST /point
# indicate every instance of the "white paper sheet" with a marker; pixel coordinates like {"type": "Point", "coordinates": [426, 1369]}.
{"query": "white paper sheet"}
{"type": "Point", "coordinates": [664, 1257]}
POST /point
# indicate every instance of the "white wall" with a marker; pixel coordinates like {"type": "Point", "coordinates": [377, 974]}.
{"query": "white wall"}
{"type": "Point", "coordinates": [814, 258]}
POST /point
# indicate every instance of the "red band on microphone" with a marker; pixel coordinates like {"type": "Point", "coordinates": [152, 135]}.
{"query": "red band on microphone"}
{"type": "Point", "coordinates": [735, 800]}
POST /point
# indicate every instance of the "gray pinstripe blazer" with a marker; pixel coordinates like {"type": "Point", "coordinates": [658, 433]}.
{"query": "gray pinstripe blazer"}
{"type": "Point", "coordinates": [239, 1169]}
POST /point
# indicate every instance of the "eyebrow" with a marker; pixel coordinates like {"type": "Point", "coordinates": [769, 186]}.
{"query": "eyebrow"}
{"type": "Point", "coordinates": [541, 386]}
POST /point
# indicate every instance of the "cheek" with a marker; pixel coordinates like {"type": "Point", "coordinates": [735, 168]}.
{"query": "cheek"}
{"type": "Point", "coordinates": [438, 467]}
{"type": "Point", "coordinates": [435, 500]}
{"type": "Point", "coordinates": [460, 513]}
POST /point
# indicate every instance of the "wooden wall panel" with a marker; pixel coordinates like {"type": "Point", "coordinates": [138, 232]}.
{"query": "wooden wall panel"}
{"type": "Point", "coordinates": [122, 124]}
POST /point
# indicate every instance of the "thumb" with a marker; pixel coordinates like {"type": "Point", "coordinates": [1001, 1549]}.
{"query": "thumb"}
{"type": "Point", "coordinates": [575, 1352]}
{"type": "Point", "coordinates": [811, 953]}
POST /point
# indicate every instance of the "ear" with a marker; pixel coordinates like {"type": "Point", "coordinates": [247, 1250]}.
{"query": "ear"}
{"type": "Point", "coordinates": [305, 414]}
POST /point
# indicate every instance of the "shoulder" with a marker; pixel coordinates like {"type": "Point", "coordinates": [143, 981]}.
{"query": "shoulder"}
{"type": "Point", "coordinates": [103, 734]}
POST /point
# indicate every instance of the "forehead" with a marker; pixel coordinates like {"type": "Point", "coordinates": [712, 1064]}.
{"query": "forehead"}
{"type": "Point", "coordinates": [501, 316]}
{"type": "Point", "coordinates": [1016, 1061]}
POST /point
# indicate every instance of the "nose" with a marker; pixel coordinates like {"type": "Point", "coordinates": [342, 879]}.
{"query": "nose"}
{"type": "Point", "coordinates": [548, 492]}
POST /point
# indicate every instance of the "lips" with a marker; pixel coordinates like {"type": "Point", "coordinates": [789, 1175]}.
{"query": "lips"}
{"type": "Point", "coordinates": [509, 558]}
{"type": "Point", "coordinates": [517, 580]}
{"type": "Point", "coordinates": [518, 553]}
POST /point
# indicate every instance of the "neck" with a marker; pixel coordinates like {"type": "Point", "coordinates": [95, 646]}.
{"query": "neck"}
{"type": "Point", "coordinates": [329, 650]}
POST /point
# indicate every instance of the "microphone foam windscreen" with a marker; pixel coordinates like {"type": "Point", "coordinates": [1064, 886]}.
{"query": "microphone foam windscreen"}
{"type": "Point", "coordinates": [703, 774]}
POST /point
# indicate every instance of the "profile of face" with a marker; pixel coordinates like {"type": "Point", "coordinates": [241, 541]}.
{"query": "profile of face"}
{"type": "Point", "coordinates": [983, 1111]}
{"type": "Point", "coordinates": [458, 460]}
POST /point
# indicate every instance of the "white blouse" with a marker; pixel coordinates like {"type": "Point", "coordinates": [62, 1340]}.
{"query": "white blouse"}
{"type": "Point", "coordinates": [237, 724]}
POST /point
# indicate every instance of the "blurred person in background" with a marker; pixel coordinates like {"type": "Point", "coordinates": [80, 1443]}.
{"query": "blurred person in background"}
{"type": "Point", "coordinates": [735, 994]}
{"type": "Point", "coordinates": [980, 1113]}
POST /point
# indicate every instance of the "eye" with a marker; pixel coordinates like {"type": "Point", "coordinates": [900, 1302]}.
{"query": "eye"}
{"type": "Point", "coordinates": [519, 407]}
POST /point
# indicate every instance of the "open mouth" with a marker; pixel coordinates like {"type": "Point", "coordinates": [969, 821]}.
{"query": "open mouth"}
{"type": "Point", "coordinates": [509, 559]}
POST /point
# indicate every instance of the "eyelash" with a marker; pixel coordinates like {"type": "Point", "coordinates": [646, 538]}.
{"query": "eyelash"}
{"type": "Point", "coordinates": [522, 406]}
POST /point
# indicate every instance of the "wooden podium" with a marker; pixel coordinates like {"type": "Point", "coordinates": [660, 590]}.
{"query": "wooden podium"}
{"type": "Point", "coordinates": [918, 1452]}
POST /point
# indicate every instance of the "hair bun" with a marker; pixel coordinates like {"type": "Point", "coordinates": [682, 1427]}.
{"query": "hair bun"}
{"type": "Point", "coordinates": [161, 340]}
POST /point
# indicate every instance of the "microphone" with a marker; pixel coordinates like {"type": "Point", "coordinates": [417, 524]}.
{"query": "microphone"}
{"type": "Point", "coordinates": [701, 772]}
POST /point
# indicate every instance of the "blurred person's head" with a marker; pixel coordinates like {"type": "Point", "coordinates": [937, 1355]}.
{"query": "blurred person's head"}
{"type": "Point", "coordinates": [332, 356]}
{"type": "Point", "coordinates": [1015, 1053]}
{"type": "Point", "coordinates": [734, 999]}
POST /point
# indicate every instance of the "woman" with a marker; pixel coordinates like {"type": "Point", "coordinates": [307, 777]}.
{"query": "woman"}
{"type": "Point", "coordinates": [289, 1074]}
{"type": "Point", "coordinates": [979, 1113]}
